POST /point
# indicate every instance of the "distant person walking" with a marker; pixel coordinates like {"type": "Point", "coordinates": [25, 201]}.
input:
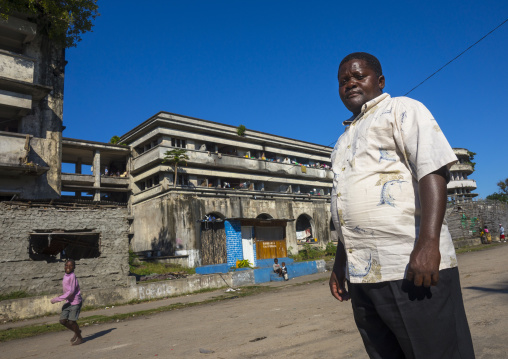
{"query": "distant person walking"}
{"type": "Point", "coordinates": [501, 233]}
{"type": "Point", "coordinates": [72, 296]}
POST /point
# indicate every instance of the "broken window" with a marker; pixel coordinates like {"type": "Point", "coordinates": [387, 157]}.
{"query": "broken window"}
{"type": "Point", "coordinates": [78, 244]}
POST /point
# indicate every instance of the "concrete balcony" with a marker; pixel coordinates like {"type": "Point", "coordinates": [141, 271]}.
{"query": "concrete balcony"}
{"type": "Point", "coordinates": [148, 193]}
{"type": "Point", "coordinates": [12, 148]}
{"type": "Point", "coordinates": [462, 167]}
{"type": "Point", "coordinates": [17, 67]}
{"type": "Point", "coordinates": [20, 32]}
{"type": "Point", "coordinates": [14, 155]}
{"type": "Point", "coordinates": [234, 163]}
{"type": "Point", "coordinates": [467, 184]}
{"type": "Point", "coordinates": [222, 193]}
{"type": "Point", "coordinates": [460, 152]}
{"type": "Point", "coordinates": [14, 104]}
{"type": "Point", "coordinates": [79, 182]}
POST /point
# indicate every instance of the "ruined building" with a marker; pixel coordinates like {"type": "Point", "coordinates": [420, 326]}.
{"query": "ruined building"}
{"type": "Point", "coordinates": [37, 228]}
{"type": "Point", "coordinates": [460, 186]}
{"type": "Point", "coordinates": [248, 195]}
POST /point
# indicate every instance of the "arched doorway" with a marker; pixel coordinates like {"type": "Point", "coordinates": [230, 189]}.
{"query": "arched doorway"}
{"type": "Point", "coordinates": [304, 230]}
{"type": "Point", "coordinates": [213, 239]}
{"type": "Point", "coordinates": [264, 216]}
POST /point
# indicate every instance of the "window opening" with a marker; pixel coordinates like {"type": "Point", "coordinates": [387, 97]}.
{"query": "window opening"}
{"type": "Point", "coordinates": [76, 244]}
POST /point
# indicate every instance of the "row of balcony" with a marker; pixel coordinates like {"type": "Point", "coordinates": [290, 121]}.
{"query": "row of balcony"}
{"type": "Point", "coordinates": [210, 160]}
{"type": "Point", "coordinates": [466, 183]}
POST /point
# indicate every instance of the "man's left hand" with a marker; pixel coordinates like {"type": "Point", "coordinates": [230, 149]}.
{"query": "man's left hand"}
{"type": "Point", "coordinates": [424, 263]}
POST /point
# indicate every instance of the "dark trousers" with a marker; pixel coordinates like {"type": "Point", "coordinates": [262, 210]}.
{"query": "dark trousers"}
{"type": "Point", "coordinates": [398, 320]}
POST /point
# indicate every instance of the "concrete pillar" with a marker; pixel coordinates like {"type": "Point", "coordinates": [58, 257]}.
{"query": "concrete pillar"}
{"type": "Point", "coordinates": [78, 166]}
{"type": "Point", "coordinates": [97, 174]}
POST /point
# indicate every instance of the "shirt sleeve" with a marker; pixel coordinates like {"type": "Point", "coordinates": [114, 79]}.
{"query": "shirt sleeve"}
{"type": "Point", "coordinates": [420, 139]}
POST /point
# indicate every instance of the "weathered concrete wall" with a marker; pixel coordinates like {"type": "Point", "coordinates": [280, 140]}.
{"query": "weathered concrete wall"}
{"type": "Point", "coordinates": [169, 222]}
{"type": "Point", "coordinates": [20, 273]}
{"type": "Point", "coordinates": [46, 119]}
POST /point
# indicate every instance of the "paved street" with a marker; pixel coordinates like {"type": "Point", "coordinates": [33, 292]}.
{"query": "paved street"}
{"type": "Point", "coordinates": [295, 321]}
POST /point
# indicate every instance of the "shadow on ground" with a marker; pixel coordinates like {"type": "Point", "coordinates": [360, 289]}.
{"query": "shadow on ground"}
{"type": "Point", "coordinates": [98, 334]}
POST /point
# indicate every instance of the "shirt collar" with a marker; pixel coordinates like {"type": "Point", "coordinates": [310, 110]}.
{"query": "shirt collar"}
{"type": "Point", "coordinates": [366, 106]}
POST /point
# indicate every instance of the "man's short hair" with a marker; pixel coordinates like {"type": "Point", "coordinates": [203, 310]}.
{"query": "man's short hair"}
{"type": "Point", "coordinates": [371, 60]}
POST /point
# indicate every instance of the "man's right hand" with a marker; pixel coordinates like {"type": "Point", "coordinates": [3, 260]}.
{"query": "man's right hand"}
{"type": "Point", "coordinates": [338, 284]}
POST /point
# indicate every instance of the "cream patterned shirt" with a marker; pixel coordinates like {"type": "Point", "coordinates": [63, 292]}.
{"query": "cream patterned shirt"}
{"type": "Point", "coordinates": [377, 163]}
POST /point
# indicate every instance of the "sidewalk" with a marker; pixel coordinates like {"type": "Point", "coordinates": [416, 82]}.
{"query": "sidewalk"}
{"type": "Point", "coordinates": [130, 308]}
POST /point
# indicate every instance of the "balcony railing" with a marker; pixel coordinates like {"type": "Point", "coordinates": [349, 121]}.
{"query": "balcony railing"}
{"type": "Point", "coordinates": [222, 161]}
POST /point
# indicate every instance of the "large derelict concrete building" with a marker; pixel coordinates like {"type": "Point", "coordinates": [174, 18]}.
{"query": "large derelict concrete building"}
{"type": "Point", "coordinates": [271, 192]}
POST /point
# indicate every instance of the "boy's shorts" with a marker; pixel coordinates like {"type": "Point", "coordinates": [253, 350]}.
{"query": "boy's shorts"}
{"type": "Point", "coordinates": [71, 312]}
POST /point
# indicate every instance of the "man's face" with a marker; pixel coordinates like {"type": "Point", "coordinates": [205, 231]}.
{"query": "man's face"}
{"type": "Point", "coordinates": [69, 267]}
{"type": "Point", "coordinates": [358, 84]}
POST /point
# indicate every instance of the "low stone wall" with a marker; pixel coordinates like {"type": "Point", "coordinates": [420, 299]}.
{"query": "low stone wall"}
{"type": "Point", "coordinates": [18, 309]}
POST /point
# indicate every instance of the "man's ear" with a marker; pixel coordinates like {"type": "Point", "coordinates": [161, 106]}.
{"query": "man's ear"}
{"type": "Point", "coordinates": [381, 82]}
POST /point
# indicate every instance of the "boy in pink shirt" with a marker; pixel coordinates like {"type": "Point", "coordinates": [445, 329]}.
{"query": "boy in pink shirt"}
{"type": "Point", "coordinates": [72, 307]}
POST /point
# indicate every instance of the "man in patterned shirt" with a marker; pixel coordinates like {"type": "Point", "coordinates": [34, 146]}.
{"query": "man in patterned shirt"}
{"type": "Point", "coordinates": [388, 203]}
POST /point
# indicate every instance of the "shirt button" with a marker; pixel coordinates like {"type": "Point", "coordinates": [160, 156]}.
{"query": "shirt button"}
{"type": "Point", "coordinates": [349, 146]}
{"type": "Point", "coordinates": [343, 168]}
{"type": "Point", "coordinates": [338, 194]}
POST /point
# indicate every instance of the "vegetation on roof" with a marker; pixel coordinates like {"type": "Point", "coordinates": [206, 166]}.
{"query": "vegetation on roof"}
{"type": "Point", "coordinates": [63, 21]}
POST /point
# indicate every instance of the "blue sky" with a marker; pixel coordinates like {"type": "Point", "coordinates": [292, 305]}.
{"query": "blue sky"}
{"type": "Point", "coordinates": [272, 65]}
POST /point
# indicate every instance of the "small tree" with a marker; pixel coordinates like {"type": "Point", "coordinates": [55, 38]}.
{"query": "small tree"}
{"type": "Point", "coordinates": [240, 130]}
{"type": "Point", "coordinates": [115, 140]}
{"type": "Point", "coordinates": [176, 157]}
{"type": "Point", "coordinates": [471, 158]}
{"type": "Point", "coordinates": [502, 194]}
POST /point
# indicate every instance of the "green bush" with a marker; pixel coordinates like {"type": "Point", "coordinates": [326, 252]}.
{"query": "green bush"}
{"type": "Point", "coordinates": [147, 268]}
{"type": "Point", "coordinates": [244, 263]}
{"type": "Point", "coordinates": [330, 249]}
{"type": "Point", "coordinates": [309, 252]}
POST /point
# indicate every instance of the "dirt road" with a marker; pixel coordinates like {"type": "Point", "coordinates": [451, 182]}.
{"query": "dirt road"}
{"type": "Point", "coordinates": [296, 321]}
